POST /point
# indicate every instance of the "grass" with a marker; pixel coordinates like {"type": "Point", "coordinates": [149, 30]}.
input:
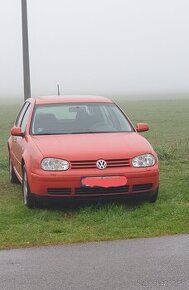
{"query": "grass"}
{"type": "Point", "coordinates": [169, 135]}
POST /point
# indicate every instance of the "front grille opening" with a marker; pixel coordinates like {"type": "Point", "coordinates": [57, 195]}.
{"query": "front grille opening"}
{"type": "Point", "coordinates": [101, 190]}
{"type": "Point", "coordinates": [141, 187]}
{"type": "Point", "coordinates": [59, 191]}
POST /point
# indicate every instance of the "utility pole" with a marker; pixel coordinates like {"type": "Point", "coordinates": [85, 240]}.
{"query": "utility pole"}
{"type": "Point", "coordinates": [26, 64]}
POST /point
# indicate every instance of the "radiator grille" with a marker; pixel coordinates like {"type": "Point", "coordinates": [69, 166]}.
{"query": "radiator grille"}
{"type": "Point", "coordinates": [92, 163]}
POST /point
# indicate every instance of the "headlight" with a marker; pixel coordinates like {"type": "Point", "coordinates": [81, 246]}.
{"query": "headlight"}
{"type": "Point", "coordinates": [53, 164]}
{"type": "Point", "coordinates": [145, 160]}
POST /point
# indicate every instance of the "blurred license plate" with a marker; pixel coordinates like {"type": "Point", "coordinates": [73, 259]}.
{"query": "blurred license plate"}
{"type": "Point", "coordinates": [104, 181]}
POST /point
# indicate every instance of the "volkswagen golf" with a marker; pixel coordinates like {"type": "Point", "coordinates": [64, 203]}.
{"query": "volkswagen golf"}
{"type": "Point", "coordinates": [80, 147]}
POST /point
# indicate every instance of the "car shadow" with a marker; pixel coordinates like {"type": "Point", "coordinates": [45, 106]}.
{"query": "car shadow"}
{"type": "Point", "coordinates": [74, 205]}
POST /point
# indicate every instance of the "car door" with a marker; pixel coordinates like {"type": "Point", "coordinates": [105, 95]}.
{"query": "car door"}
{"type": "Point", "coordinates": [18, 141]}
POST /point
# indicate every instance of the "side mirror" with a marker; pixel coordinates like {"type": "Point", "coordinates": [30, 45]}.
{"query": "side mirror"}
{"type": "Point", "coordinates": [142, 127]}
{"type": "Point", "coordinates": [16, 131]}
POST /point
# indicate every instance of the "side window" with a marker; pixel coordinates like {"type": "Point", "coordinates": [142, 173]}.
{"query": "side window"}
{"type": "Point", "coordinates": [21, 114]}
{"type": "Point", "coordinates": [24, 119]}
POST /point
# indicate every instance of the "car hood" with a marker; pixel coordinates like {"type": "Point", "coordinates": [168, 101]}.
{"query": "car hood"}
{"type": "Point", "coordinates": [92, 146]}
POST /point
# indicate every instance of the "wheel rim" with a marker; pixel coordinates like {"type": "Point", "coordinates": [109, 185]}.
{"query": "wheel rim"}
{"type": "Point", "coordinates": [25, 188]}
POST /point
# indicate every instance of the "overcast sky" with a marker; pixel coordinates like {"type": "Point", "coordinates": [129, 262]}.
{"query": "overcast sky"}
{"type": "Point", "coordinates": [97, 46]}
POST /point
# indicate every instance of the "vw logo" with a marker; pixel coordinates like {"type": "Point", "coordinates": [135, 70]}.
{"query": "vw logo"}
{"type": "Point", "coordinates": [101, 164]}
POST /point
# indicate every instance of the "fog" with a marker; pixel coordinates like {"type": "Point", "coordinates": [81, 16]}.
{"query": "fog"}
{"type": "Point", "coordinates": [107, 47]}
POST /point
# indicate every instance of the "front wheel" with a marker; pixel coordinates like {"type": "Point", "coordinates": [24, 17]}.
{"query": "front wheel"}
{"type": "Point", "coordinates": [28, 199]}
{"type": "Point", "coordinates": [12, 175]}
{"type": "Point", "coordinates": [154, 197]}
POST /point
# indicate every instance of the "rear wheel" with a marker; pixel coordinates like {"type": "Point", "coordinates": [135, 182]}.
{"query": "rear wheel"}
{"type": "Point", "coordinates": [12, 175]}
{"type": "Point", "coordinates": [154, 197]}
{"type": "Point", "coordinates": [29, 200]}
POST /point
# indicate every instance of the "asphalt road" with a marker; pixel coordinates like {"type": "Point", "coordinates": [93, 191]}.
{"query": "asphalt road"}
{"type": "Point", "coordinates": [154, 263]}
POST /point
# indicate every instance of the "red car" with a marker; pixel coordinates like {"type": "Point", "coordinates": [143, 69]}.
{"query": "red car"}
{"type": "Point", "coordinates": [80, 147]}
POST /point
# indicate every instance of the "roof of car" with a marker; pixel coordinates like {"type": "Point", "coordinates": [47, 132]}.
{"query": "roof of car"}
{"type": "Point", "coordinates": [71, 99]}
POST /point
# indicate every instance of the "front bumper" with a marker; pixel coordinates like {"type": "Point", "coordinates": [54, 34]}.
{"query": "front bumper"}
{"type": "Point", "coordinates": [68, 184]}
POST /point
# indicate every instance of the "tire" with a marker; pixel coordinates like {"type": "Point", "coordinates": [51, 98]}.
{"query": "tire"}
{"type": "Point", "coordinates": [154, 197]}
{"type": "Point", "coordinates": [28, 199]}
{"type": "Point", "coordinates": [12, 175]}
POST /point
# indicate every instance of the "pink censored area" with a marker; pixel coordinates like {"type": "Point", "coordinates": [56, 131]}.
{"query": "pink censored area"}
{"type": "Point", "coordinates": [105, 181]}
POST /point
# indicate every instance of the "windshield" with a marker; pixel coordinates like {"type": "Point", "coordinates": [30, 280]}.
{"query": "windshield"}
{"type": "Point", "coordinates": [78, 118]}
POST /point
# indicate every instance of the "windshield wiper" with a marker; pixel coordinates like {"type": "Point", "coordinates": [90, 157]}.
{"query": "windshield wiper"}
{"type": "Point", "coordinates": [42, 134]}
{"type": "Point", "coordinates": [93, 132]}
{"type": "Point", "coordinates": [74, 133]}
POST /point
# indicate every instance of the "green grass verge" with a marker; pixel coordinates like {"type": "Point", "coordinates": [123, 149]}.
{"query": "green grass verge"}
{"type": "Point", "coordinates": [21, 227]}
